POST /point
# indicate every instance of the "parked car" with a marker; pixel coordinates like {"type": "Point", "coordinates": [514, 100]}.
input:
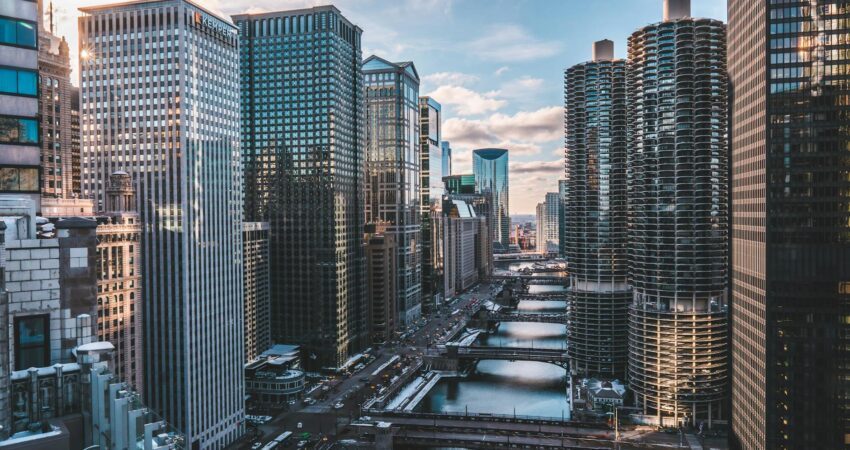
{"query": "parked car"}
{"type": "Point", "coordinates": [339, 405]}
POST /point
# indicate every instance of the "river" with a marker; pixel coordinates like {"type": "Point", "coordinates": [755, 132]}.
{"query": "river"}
{"type": "Point", "coordinates": [510, 387]}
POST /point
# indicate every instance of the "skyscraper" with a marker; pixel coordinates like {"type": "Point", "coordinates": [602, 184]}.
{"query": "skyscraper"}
{"type": "Point", "coordinates": [55, 106]}
{"type": "Point", "coordinates": [446, 158]}
{"type": "Point", "coordinates": [160, 100]}
{"type": "Point", "coordinates": [303, 141]}
{"type": "Point", "coordinates": [596, 213]}
{"type": "Point", "coordinates": [430, 187]}
{"type": "Point", "coordinates": [678, 328]}
{"type": "Point", "coordinates": [790, 75]}
{"type": "Point", "coordinates": [563, 190]}
{"type": "Point", "coordinates": [393, 193]}
{"type": "Point", "coordinates": [20, 154]}
{"type": "Point", "coordinates": [490, 167]}
{"type": "Point", "coordinates": [255, 253]}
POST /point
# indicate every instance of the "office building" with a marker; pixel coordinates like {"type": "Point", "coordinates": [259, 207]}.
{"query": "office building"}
{"type": "Point", "coordinates": [255, 266]}
{"type": "Point", "coordinates": [547, 224]}
{"type": "Point", "coordinates": [446, 158]}
{"type": "Point", "coordinates": [304, 136]}
{"type": "Point", "coordinates": [466, 238]}
{"type": "Point", "coordinates": [437, 250]}
{"type": "Point", "coordinates": [430, 188]}
{"type": "Point", "coordinates": [54, 64]}
{"type": "Point", "coordinates": [20, 143]}
{"type": "Point", "coordinates": [382, 276]}
{"type": "Point", "coordinates": [788, 66]}
{"type": "Point", "coordinates": [678, 327]}
{"type": "Point", "coordinates": [490, 167]}
{"type": "Point", "coordinates": [595, 216]}
{"type": "Point", "coordinates": [459, 184]}
{"type": "Point", "coordinates": [274, 378]}
{"type": "Point", "coordinates": [119, 279]}
{"type": "Point", "coordinates": [180, 146]}
{"type": "Point", "coordinates": [393, 192]}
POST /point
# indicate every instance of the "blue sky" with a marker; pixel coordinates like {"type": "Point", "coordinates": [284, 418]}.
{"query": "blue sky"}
{"type": "Point", "coordinates": [495, 65]}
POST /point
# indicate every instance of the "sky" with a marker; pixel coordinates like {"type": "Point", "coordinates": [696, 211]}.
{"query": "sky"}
{"type": "Point", "coordinates": [496, 66]}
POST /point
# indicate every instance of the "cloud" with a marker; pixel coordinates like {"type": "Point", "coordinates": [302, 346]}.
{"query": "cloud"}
{"type": "Point", "coordinates": [467, 102]}
{"type": "Point", "coordinates": [522, 130]}
{"type": "Point", "coordinates": [449, 78]}
{"type": "Point", "coordinates": [537, 167]}
{"type": "Point", "coordinates": [511, 43]}
{"type": "Point", "coordinates": [501, 70]}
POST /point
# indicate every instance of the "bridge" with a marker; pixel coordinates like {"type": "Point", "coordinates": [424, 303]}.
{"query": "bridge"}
{"type": "Point", "coordinates": [536, 318]}
{"type": "Point", "coordinates": [488, 431]}
{"type": "Point", "coordinates": [507, 257]}
{"type": "Point", "coordinates": [547, 355]}
{"type": "Point", "coordinates": [536, 279]}
{"type": "Point", "coordinates": [544, 296]}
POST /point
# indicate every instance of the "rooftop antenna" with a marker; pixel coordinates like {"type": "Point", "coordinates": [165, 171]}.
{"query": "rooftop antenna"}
{"type": "Point", "coordinates": [50, 11]}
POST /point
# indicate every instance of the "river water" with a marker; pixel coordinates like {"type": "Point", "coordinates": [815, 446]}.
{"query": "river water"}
{"type": "Point", "coordinates": [510, 387]}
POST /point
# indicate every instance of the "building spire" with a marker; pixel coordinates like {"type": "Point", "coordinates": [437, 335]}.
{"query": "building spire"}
{"type": "Point", "coordinates": [50, 12]}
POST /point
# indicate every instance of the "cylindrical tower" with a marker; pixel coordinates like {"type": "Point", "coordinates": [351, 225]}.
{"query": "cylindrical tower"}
{"type": "Point", "coordinates": [678, 335]}
{"type": "Point", "coordinates": [596, 224]}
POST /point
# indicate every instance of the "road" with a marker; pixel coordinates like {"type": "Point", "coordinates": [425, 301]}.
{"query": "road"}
{"type": "Point", "coordinates": [323, 418]}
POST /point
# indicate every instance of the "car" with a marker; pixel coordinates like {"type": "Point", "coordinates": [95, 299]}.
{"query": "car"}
{"type": "Point", "coordinates": [339, 405]}
{"type": "Point", "coordinates": [292, 402]}
{"type": "Point", "coordinates": [256, 445]}
{"type": "Point", "coordinates": [364, 379]}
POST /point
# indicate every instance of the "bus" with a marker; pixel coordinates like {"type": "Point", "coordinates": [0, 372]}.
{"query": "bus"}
{"type": "Point", "coordinates": [278, 441]}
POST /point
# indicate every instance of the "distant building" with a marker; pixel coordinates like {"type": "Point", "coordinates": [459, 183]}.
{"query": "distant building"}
{"type": "Point", "coordinates": [430, 188]}
{"type": "Point", "coordinates": [459, 184]}
{"type": "Point", "coordinates": [119, 279]}
{"type": "Point", "coordinates": [381, 276]}
{"type": "Point", "coordinates": [466, 239]}
{"type": "Point", "coordinates": [20, 150]}
{"type": "Point", "coordinates": [393, 191]}
{"type": "Point", "coordinates": [255, 266]}
{"type": "Point", "coordinates": [547, 224]}
{"type": "Point", "coordinates": [447, 158]}
{"type": "Point", "coordinates": [490, 167]}
{"type": "Point", "coordinates": [437, 250]}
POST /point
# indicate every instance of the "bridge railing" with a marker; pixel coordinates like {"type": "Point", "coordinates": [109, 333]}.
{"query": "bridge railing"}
{"type": "Point", "coordinates": [472, 416]}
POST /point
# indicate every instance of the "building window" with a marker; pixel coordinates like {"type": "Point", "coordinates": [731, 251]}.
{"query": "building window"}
{"type": "Point", "coordinates": [32, 343]}
{"type": "Point", "coordinates": [18, 130]}
{"type": "Point", "coordinates": [17, 32]}
{"type": "Point", "coordinates": [18, 81]}
{"type": "Point", "coordinates": [19, 179]}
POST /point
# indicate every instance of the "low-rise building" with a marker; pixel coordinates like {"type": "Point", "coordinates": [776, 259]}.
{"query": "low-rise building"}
{"type": "Point", "coordinates": [274, 379]}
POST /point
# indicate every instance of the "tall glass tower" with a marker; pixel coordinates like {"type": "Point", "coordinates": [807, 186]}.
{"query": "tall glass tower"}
{"type": "Point", "coordinates": [303, 139]}
{"type": "Point", "coordinates": [446, 146]}
{"type": "Point", "coordinates": [678, 328]}
{"type": "Point", "coordinates": [596, 213]}
{"type": "Point", "coordinates": [789, 66]}
{"type": "Point", "coordinates": [430, 188]}
{"type": "Point", "coordinates": [490, 167]}
{"type": "Point", "coordinates": [160, 100]}
{"type": "Point", "coordinates": [393, 193]}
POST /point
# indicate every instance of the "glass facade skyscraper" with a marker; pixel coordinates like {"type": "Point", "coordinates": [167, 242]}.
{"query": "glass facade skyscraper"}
{"type": "Point", "coordinates": [303, 140]}
{"type": "Point", "coordinates": [430, 187]}
{"type": "Point", "coordinates": [678, 327]}
{"type": "Point", "coordinates": [160, 100]}
{"type": "Point", "coordinates": [790, 74]}
{"type": "Point", "coordinates": [393, 192]}
{"type": "Point", "coordinates": [595, 221]}
{"type": "Point", "coordinates": [490, 167]}
{"type": "Point", "coordinates": [446, 158]}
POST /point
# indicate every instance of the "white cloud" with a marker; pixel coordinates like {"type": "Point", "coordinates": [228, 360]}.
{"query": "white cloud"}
{"type": "Point", "coordinates": [501, 70]}
{"type": "Point", "coordinates": [467, 102]}
{"type": "Point", "coordinates": [537, 167]}
{"type": "Point", "coordinates": [530, 181]}
{"type": "Point", "coordinates": [524, 129]}
{"type": "Point", "coordinates": [449, 78]}
{"type": "Point", "coordinates": [511, 43]}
